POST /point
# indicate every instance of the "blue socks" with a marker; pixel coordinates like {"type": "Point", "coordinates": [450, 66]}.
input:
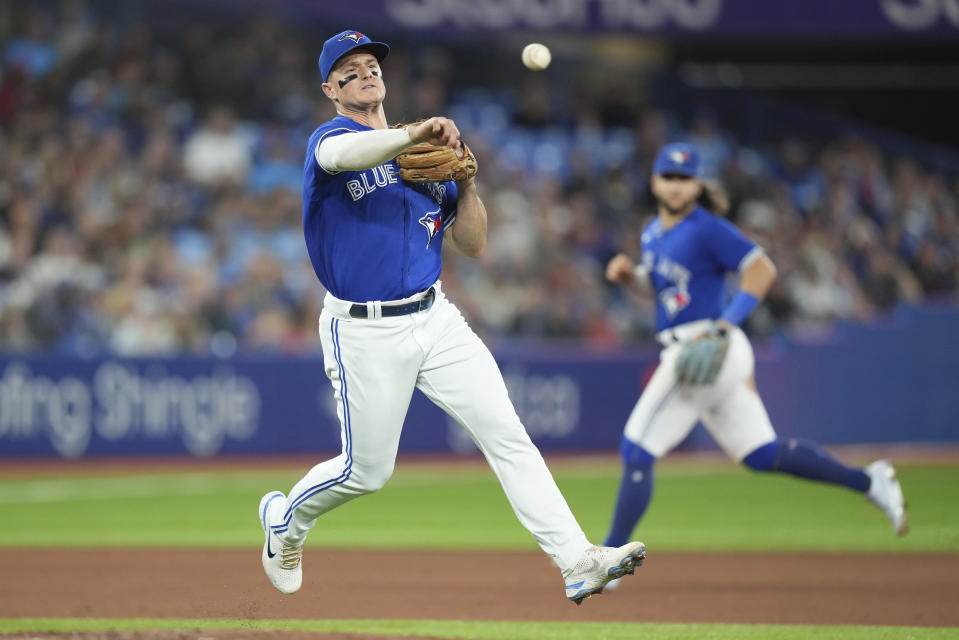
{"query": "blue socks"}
{"type": "Point", "coordinates": [635, 490]}
{"type": "Point", "coordinates": [806, 459]}
{"type": "Point", "coordinates": [801, 458]}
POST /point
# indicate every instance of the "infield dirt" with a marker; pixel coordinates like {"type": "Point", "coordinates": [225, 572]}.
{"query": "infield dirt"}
{"type": "Point", "coordinates": [794, 588]}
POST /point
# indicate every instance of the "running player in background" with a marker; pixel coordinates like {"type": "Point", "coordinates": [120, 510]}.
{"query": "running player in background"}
{"type": "Point", "coordinates": [375, 242]}
{"type": "Point", "coordinates": [706, 365]}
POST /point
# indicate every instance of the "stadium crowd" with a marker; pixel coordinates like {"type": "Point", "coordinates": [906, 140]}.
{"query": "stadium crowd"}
{"type": "Point", "coordinates": [150, 197]}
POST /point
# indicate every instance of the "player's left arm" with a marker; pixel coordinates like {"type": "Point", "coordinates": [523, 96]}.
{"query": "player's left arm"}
{"type": "Point", "coordinates": [754, 283]}
{"type": "Point", "coordinates": [468, 232]}
{"type": "Point", "coordinates": [733, 251]}
{"type": "Point", "coordinates": [700, 360]}
{"type": "Point", "coordinates": [757, 275]}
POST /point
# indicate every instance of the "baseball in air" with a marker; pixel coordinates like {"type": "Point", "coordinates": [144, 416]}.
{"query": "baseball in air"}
{"type": "Point", "coordinates": [536, 56]}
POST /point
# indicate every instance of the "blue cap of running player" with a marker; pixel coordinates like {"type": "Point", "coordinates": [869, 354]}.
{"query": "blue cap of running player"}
{"type": "Point", "coordinates": [344, 42]}
{"type": "Point", "coordinates": [677, 158]}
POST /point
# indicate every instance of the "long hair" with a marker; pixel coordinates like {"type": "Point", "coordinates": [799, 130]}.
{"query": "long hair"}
{"type": "Point", "coordinates": [714, 198]}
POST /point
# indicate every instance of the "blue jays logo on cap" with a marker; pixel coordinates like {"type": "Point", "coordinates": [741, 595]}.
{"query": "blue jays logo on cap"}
{"type": "Point", "coordinates": [677, 158]}
{"type": "Point", "coordinates": [356, 36]}
{"type": "Point", "coordinates": [344, 42]}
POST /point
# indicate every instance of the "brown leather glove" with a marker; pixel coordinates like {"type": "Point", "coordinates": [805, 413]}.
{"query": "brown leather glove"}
{"type": "Point", "coordinates": [425, 162]}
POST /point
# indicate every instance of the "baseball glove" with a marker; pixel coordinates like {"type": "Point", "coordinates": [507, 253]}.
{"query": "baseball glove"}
{"type": "Point", "coordinates": [700, 359]}
{"type": "Point", "coordinates": [425, 162]}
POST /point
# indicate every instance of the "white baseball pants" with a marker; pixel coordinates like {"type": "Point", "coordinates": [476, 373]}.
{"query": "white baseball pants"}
{"type": "Point", "coordinates": [374, 365]}
{"type": "Point", "coordinates": [731, 411]}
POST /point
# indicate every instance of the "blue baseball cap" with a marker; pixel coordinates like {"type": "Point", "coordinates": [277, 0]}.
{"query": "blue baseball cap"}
{"type": "Point", "coordinates": [679, 158]}
{"type": "Point", "coordinates": [344, 42]}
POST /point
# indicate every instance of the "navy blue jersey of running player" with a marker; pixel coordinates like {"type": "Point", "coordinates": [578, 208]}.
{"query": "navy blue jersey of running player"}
{"type": "Point", "coordinates": [370, 235]}
{"type": "Point", "coordinates": [687, 265]}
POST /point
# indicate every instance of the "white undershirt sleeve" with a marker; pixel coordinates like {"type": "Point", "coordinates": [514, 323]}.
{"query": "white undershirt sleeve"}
{"type": "Point", "coordinates": [360, 150]}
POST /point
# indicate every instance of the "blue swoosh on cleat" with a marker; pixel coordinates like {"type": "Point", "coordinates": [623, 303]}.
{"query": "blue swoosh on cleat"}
{"type": "Point", "coordinates": [576, 586]}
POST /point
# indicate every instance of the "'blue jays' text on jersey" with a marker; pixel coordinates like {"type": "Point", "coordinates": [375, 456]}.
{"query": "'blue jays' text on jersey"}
{"type": "Point", "coordinates": [370, 235]}
{"type": "Point", "coordinates": [688, 263]}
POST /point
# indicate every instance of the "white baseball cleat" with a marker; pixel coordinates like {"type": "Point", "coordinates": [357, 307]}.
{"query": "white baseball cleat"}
{"type": "Point", "coordinates": [281, 561]}
{"type": "Point", "coordinates": [598, 566]}
{"type": "Point", "coordinates": [886, 493]}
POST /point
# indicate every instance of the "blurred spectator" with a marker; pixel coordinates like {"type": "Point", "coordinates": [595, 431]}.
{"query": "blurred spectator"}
{"type": "Point", "coordinates": [219, 151]}
{"type": "Point", "coordinates": [886, 283]}
{"type": "Point", "coordinates": [807, 188]}
{"type": "Point", "coordinates": [711, 143]}
{"type": "Point", "coordinates": [33, 50]}
{"type": "Point", "coordinates": [935, 267]}
{"type": "Point", "coordinates": [278, 168]}
{"type": "Point", "coordinates": [534, 108]}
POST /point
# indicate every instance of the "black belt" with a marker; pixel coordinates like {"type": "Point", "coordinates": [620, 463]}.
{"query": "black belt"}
{"type": "Point", "coordinates": [387, 310]}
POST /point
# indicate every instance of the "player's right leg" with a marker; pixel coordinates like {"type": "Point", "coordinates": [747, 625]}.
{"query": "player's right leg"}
{"type": "Point", "coordinates": [372, 366]}
{"type": "Point", "coordinates": [661, 419]}
{"type": "Point", "coordinates": [461, 376]}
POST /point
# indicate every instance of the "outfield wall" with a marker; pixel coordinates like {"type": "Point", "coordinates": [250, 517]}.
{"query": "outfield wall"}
{"type": "Point", "coordinates": [893, 381]}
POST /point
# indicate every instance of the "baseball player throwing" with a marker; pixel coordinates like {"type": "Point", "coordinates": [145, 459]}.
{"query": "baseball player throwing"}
{"type": "Point", "coordinates": [386, 328]}
{"type": "Point", "coordinates": [706, 365]}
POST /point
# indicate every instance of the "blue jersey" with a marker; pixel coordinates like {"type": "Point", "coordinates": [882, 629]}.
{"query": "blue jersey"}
{"type": "Point", "coordinates": [688, 265]}
{"type": "Point", "coordinates": [370, 235]}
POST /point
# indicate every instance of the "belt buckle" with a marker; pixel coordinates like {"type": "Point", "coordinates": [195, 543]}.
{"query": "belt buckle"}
{"type": "Point", "coordinates": [426, 301]}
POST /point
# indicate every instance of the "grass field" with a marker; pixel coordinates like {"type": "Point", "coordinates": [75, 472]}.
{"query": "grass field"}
{"type": "Point", "coordinates": [696, 507]}
{"type": "Point", "coordinates": [510, 630]}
